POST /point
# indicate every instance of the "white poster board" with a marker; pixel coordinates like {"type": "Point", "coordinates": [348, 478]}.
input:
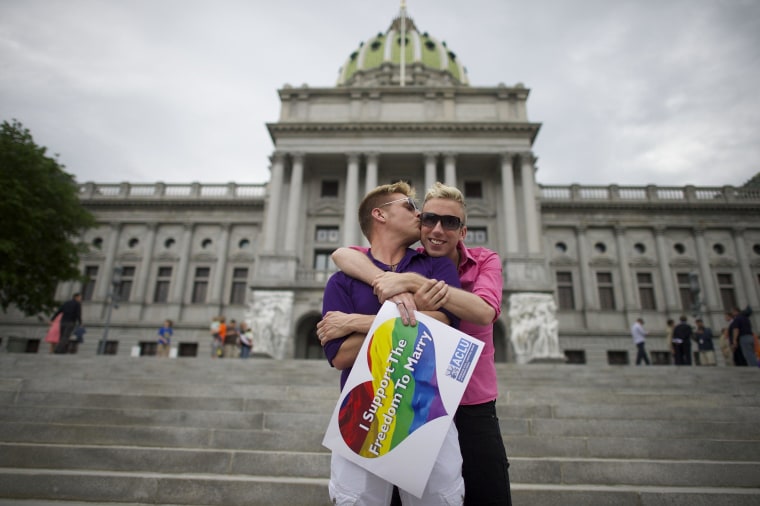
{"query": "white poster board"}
{"type": "Point", "coordinates": [401, 396]}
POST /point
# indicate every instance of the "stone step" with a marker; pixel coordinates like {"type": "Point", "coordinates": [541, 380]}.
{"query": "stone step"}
{"type": "Point", "coordinates": [159, 488]}
{"type": "Point", "coordinates": [545, 470]}
{"type": "Point", "coordinates": [73, 488]}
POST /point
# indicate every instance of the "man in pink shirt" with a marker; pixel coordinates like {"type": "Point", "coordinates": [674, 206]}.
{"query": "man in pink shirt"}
{"type": "Point", "coordinates": [478, 304]}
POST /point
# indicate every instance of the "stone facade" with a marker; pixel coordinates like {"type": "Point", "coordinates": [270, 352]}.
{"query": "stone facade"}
{"type": "Point", "coordinates": [596, 257]}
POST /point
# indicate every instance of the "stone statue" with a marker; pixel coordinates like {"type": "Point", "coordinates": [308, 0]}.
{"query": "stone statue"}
{"type": "Point", "coordinates": [534, 331]}
{"type": "Point", "coordinates": [270, 318]}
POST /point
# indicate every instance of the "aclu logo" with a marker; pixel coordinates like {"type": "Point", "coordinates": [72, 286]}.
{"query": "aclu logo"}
{"type": "Point", "coordinates": [461, 360]}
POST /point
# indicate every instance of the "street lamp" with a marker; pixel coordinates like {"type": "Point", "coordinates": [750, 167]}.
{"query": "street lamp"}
{"type": "Point", "coordinates": [113, 303]}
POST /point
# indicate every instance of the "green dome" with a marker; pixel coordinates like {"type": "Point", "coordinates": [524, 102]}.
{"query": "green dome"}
{"type": "Point", "coordinates": [427, 62]}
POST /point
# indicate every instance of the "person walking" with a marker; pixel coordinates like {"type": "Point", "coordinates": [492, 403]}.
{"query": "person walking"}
{"type": "Point", "coordinates": [704, 338]}
{"type": "Point", "coordinates": [639, 335]}
{"type": "Point", "coordinates": [682, 335]}
{"type": "Point", "coordinates": [71, 316]}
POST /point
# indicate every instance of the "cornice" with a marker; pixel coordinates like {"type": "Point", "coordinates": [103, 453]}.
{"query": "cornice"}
{"type": "Point", "coordinates": [426, 126]}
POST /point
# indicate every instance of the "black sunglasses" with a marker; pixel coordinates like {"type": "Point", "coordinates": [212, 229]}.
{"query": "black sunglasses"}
{"type": "Point", "coordinates": [448, 222]}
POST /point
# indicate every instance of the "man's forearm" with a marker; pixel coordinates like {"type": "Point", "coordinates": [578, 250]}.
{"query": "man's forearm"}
{"type": "Point", "coordinates": [469, 307]}
{"type": "Point", "coordinates": [348, 351]}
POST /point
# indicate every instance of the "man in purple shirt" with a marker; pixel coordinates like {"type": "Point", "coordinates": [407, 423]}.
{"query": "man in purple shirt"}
{"type": "Point", "coordinates": [389, 219]}
{"type": "Point", "coordinates": [478, 304]}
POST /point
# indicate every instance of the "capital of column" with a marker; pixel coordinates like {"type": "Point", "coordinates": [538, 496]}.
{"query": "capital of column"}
{"type": "Point", "coordinates": [508, 156]}
{"type": "Point", "coordinates": [372, 156]}
{"type": "Point", "coordinates": [528, 157]}
{"type": "Point", "coordinates": [297, 157]}
{"type": "Point", "coordinates": [277, 157]}
{"type": "Point", "coordinates": [450, 157]}
{"type": "Point", "coordinates": [739, 231]}
{"type": "Point", "coordinates": [659, 229]}
{"type": "Point", "coordinates": [353, 158]}
{"type": "Point", "coordinates": [619, 229]}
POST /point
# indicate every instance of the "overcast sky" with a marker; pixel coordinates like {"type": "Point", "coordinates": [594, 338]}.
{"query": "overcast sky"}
{"type": "Point", "coordinates": [628, 92]}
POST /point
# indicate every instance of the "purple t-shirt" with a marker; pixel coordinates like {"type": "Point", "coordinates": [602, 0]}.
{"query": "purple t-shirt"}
{"type": "Point", "coordinates": [349, 295]}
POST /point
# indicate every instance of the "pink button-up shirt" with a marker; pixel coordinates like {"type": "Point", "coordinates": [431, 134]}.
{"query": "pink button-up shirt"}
{"type": "Point", "coordinates": [480, 272]}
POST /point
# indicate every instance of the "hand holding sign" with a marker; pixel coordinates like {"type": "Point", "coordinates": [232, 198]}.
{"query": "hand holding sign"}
{"type": "Point", "coordinates": [400, 397]}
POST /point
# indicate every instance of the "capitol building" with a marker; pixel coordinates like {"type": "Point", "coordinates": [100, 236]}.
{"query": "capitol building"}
{"type": "Point", "coordinates": [595, 257]}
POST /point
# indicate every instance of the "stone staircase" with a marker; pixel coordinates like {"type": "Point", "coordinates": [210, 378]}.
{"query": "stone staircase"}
{"type": "Point", "coordinates": [109, 430]}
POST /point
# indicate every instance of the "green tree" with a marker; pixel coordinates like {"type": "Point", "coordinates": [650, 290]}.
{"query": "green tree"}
{"type": "Point", "coordinates": [41, 222]}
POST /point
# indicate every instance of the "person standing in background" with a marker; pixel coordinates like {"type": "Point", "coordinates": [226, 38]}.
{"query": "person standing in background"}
{"type": "Point", "coordinates": [743, 340]}
{"type": "Point", "coordinates": [682, 335]}
{"type": "Point", "coordinates": [231, 336]}
{"type": "Point", "coordinates": [246, 340]}
{"type": "Point", "coordinates": [165, 334]}
{"type": "Point", "coordinates": [704, 338]}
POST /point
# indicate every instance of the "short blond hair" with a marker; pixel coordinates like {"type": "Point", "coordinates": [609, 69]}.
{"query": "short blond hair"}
{"type": "Point", "coordinates": [377, 197]}
{"type": "Point", "coordinates": [442, 191]}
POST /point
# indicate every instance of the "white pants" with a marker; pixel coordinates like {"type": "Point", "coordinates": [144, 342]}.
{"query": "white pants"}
{"type": "Point", "coordinates": [351, 484]}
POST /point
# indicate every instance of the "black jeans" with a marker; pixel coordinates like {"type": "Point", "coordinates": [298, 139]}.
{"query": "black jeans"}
{"type": "Point", "coordinates": [641, 354]}
{"type": "Point", "coordinates": [67, 328]}
{"type": "Point", "coordinates": [485, 467]}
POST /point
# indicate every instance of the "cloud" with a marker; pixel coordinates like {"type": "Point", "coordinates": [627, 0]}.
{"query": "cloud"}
{"type": "Point", "coordinates": [628, 92]}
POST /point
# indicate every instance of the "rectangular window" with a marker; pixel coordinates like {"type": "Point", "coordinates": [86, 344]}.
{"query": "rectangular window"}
{"type": "Point", "coordinates": [473, 190]}
{"type": "Point", "coordinates": [606, 291]}
{"type": "Point", "coordinates": [646, 290]}
{"type": "Point", "coordinates": [565, 293]}
{"type": "Point", "coordinates": [88, 289]}
{"type": "Point", "coordinates": [323, 261]}
{"type": "Point", "coordinates": [200, 284]}
{"type": "Point", "coordinates": [327, 234]}
{"type": "Point", "coordinates": [329, 189]}
{"type": "Point", "coordinates": [476, 235]}
{"type": "Point", "coordinates": [163, 281]}
{"type": "Point", "coordinates": [124, 288]}
{"type": "Point", "coordinates": [239, 285]}
{"type": "Point", "coordinates": [684, 291]}
{"type": "Point", "coordinates": [727, 292]}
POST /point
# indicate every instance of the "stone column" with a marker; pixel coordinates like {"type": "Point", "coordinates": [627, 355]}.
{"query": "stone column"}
{"type": "Point", "coordinates": [672, 305]}
{"type": "Point", "coordinates": [710, 295]}
{"type": "Point", "coordinates": [430, 172]}
{"type": "Point", "coordinates": [529, 198]}
{"type": "Point", "coordinates": [586, 281]}
{"type": "Point", "coordinates": [113, 244]}
{"type": "Point", "coordinates": [294, 204]}
{"type": "Point", "coordinates": [273, 206]}
{"type": "Point", "coordinates": [141, 289]}
{"type": "Point", "coordinates": [187, 249]}
{"type": "Point", "coordinates": [750, 290]}
{"type": "Point", "coordinates": [450, 169]}
{"type": "Point", "coordinates": [221, 264]}
{"type": "Point", "coordinates": [510, 204]}
{"type": "Point", "coordinates": [350, 220]}
{"type": "Point", "coordinates": [371, 177]}
{"type": "Point", "coordinates": [626, 277]}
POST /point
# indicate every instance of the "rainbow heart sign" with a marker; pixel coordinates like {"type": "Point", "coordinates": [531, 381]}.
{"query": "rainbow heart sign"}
{"type": "Point", "coordinates": [400, 398]}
